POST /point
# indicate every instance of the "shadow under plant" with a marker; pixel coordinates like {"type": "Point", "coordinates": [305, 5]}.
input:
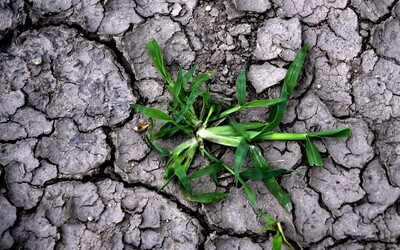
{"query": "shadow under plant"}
{"type": "Point", "coordinates": [73, 171]}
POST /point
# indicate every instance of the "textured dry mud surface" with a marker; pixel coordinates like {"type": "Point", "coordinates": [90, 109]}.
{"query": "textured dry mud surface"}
{"type": "Point", "coordinates": [75, 175]}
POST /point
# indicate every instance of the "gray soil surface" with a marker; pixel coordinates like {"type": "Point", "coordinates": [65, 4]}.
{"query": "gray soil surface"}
{"type": "Point", "coordinates": [74, 174]}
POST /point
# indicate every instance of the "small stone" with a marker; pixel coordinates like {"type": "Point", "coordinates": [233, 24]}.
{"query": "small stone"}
{"type": "Point", "coordinates": [259, 6]}
{"type": "Point", "coordinates": [176, 9]}
{"type": "Point", "coordinates": [208, 8]}
{"type": "Point", "coordinates": [37, 61]}
{"type": "Point", "coordinates": [265, 76]}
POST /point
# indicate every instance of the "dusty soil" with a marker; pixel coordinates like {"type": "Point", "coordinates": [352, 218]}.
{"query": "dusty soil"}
{"type": "Point", "coordinates": [75, 175]}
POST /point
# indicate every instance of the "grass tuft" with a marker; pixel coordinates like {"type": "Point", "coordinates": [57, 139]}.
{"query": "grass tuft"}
{"type": "Point", "coordinates": [203, 119]}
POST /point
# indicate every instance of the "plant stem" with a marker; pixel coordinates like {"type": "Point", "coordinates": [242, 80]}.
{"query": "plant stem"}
{"type": "Point", "coordinates": [233, 141]}
{"type": "Point", "coordinates": [281, 137]}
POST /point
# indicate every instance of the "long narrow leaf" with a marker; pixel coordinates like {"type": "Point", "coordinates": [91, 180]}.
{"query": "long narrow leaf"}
{"type": "Point", "coordinates": [268, 219]}
{"type": "Point", "coordinates": [206, 197]}
{"type": "Point", "coordinates": [277, 242]}
{"type": "Point", "coordinates": [261, 174]}
{"type": "Point", "coordinates": [313, 155]}
{"type": "Point", "coordinates": [184, 145]}
{"type": "Point", "coordinates": [177, 89]}
{"type": "Point", "coordinates": [166, 131]}
{"type": "Point", "coordinates": [250, 194]}
{"type": "Point", "coordinates": [200, 79]}
{"type": "Point", "coordinates": [152, 112]}
{"type": "Point", "coordinates": [229, 111]}
{"type": "Point", "coordinates": [285, 241]}
{"type": "Point", "coordinates": [252, 104]}
{"type": "Point", "coordinates": [262, 103]}
{"type": "Point", "coordinates": [189, 153]}
{"type": "Point", "coordinates": [247, 189]}
{"type": "Point", "coordinates": [156, 55]}
{"type": "Point", "coordinates": [206, 98]}
{"type": "Point", "coordinates": [190, 101]}
{"type": "Point", "coordinates": [239, 129]}
{"type": "Point", "coordinates": [271, 183]}
{"type": "Point", "coordinates": [334, 133]}
{"type": "Point", "coordinates": [279, 193]}
{"type": "Point", "coordinates": [189, 74]}
{"type": "Point", "coordinates": [241, 87]}
{"type": "Point", "coordinates": [169, 167]}
{"type": "Point", "coordinates": [183, 179]}
{"type": "Point", "coordinates": [229, 130]}
{"type": "Point", "coordinates": [165, 184]}
{"type": "Point", "coordinates": [258, 159]}
{"type": "Point", "coordinates": [293, 73]}
{"type": "Point", "coordinates": [240, 156]}
{"type": "Point", "coordinates": [159, 150]}
{"type": "Point", "coordinates": [213, 168]}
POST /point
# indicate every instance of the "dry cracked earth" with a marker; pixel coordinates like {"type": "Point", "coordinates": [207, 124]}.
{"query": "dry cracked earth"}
{"type": "Point", "coordinates": [75, 175]}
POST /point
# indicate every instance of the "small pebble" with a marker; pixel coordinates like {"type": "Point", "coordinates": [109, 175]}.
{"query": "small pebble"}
{"type": "Point", "coordinates": [208, 8]}
{"type": "Point", "coordinates": [37, 61]}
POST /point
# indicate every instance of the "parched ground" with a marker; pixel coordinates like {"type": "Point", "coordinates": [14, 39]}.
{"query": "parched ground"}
{"type": "Point", "coordinates": [75, 175]}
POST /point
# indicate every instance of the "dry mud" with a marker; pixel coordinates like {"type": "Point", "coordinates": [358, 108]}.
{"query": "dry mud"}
{"type": "Point", "coordinates": [75, 175]}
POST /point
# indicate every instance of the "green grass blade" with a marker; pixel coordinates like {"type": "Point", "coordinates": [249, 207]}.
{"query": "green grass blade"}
{"type": "Point", "coordinates": [293, 73]}
{"type": "Point", "coordinates": [268, 219]}
{"type": "Point", "coordinates": [156, 55]}
{"type": "Point", "coordinates": [277, 242]}
{"type": "Point", "coordinates": [152, 112]}
{"type": "Point", "coordinates": [241, 87]}
{"type": "Point", "coordinates": [229, 130]}
{"type": "Point", "coordinates": [279, 193]}
{"type": "Point", "coordinates": [190, 101]}
{"type": "Point", "coordinates": [247, 189]}
{"type": "Point", "coordinates": [271, 183]}
{"type": "Point", "coordinates": [169, 167]}
{"type": "Point", "coordinates": [229, 111]}
{"type": "Point", "coordinates": [206, 197]}
{"type": "Point", "coordinates": [159, 150]}
{"type": "Point", "coordinates": [249, 193]}
{"type": "Point", "coordinates": [189, 74]}
{"type": "Point", "coordinates": [262, 103]}
{"type": "Point", "coordinates": [214, 178]}
{"type": "Point", "coordinates": [240, 156]}
{"type": "Point", "coordinates": [334, 133]}
{"type": "Point", "coordinates": [166, 131]}
{"type": "Point", "coordinates": [313, 155]}
{"type": "Point", "coordinates": [290, 81]}
{"type": "Point", "coordinates": [213, 168]}
{"type": "Point", "coordinates": [275, 117]}
{"type": "Point", "coordinates": [230, 141]}
{"type": "Point", "coordinates": [206, 98]}
{"type": "Point", "coordinates": [200, 79]}
{"type": "Point", "coordinates": [183, 178]}
{"type": "Point", "coordinates": [210, 156]}
{"type": "Point", "coordinates": [184, 145]}
{"type": "Point", "coordinates": [165, 184]}
{"type": "Point", "coordinates": [239, 129]}
{"type": "Point", "coordinates": [261, 174]}
{"type": "Point", "coordinates": [258, 159]}
{"type": "Point", "coordinates": [178, 87]}
{"type": "Point", "coordinates": [189, 153]}
{"type": "Point", "coordinates": [252, 104]}
{"type": "Point", "coordinates": [285, 241]}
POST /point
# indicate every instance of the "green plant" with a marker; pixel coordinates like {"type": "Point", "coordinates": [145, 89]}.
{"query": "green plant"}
{"type": "Point", "coordinates": [197, 114]}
